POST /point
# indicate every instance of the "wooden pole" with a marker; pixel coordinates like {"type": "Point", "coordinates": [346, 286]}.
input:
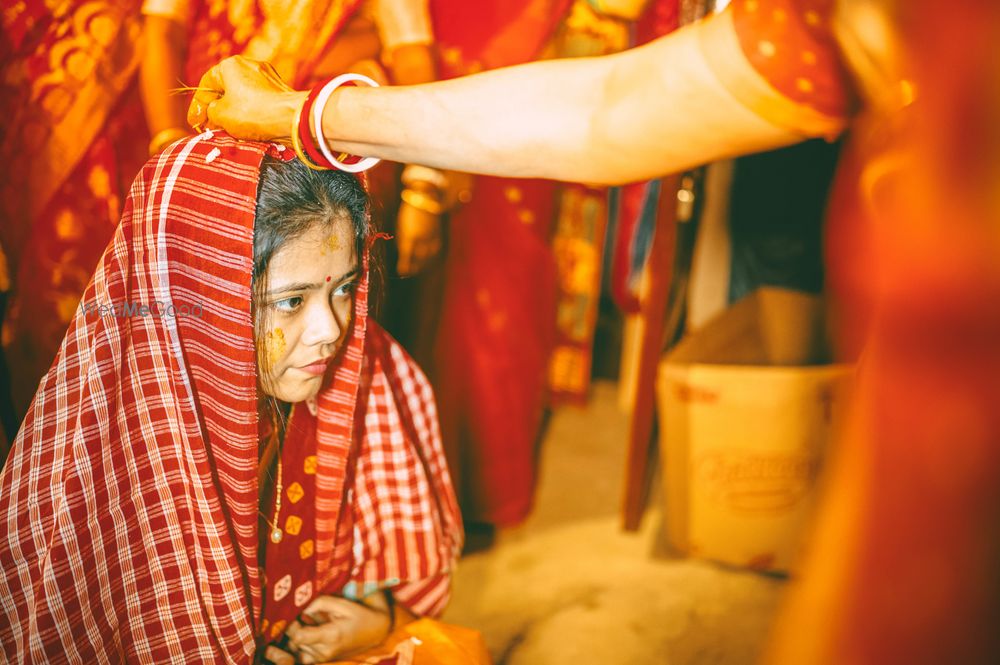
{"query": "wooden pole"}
{"type": "Point", "coordinates": [654, 313]}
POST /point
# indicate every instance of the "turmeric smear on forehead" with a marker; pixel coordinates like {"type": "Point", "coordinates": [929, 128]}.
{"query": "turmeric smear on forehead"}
{"type": "Point", "coordinates": [274, 347]}
{"type": "Point", "coordinates": [330, 244]}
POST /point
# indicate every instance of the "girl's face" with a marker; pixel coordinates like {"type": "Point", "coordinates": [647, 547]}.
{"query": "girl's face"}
{"type": "Point", "coordinates": [307, 310]}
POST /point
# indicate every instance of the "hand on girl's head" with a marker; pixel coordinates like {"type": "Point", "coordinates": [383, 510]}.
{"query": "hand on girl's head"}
{"type": "Point", "coordinates": [307, 309]}
{"type": "Point", "coordinates": [245, 97]}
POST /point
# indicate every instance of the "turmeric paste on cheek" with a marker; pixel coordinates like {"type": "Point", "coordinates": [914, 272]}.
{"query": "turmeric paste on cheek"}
{"type": "Point", "coordinates": [274, 347]}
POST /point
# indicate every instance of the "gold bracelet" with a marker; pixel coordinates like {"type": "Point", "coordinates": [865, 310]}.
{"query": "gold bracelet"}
{"type": "Point", "coordinates": [422, 201]}
{"type": "Point", "coordinates": [297, 145]}
{"type": "Point", "coordinates": [413, 173]}
{"type": "Point", "coordinates": [165, 137]}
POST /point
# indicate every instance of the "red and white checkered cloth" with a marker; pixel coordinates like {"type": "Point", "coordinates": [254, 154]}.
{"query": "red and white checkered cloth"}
{"type": "Point", "coordinates": [129, 501]}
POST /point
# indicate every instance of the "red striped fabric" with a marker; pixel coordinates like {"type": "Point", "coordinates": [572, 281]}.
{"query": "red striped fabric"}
{"type": "Point", "coordinates": [129, 500]}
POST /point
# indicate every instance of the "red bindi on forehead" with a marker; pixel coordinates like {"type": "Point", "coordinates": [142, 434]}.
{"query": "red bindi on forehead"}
{"type": "Point", "coordinates": [328, 278]}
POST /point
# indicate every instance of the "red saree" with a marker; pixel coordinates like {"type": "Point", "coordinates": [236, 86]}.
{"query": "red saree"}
{"type": "Point", "coordinates": [72, 139]}
{"type": "Point", "coordinates": [497, 325]}
{"type": "Point", "coordinates": [904, 563]}
{"type": "Point", "coordinates": [129, 502]}
{"type": "Point", "coordinates": [523, 268]}
{"type": "Point", "coordinates": [914, 253]}
{"type": "Point", "coordinates": [73, 105]}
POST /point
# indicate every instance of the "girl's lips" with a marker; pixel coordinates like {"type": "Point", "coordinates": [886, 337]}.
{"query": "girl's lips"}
{"type": "Point", "coordinates": [317, 368]}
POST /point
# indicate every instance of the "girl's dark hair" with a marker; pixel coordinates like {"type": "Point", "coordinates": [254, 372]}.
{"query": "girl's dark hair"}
{"type": "Point", "coordinates": [291, 200]}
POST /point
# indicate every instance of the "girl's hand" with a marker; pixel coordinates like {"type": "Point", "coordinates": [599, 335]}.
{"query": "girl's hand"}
{"type": "Point", "coordinates": [246, 98]}
{"type": "Point", "coordinates": [340, 627]}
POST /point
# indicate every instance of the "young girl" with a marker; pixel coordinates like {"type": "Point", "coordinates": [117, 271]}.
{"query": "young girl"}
{"type": "Point", "coordinates": [227, 460]}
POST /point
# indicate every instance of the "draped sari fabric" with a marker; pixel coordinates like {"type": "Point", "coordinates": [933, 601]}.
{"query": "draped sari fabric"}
{"type": "Point", "coordinates": [72, 139]}
{"type": "Point", "coordinates": [904, 563]}
{"type": "Point", "coordinates": [523, 268]}
{"type": "Point", "coordinates": [292, 36]}
{"type": "Point", "coordinates": [914, 252]}
{"type": "Point", "coordinates": [497, 325]}
{"type": "Point", "coordinates": [71, 96]}
{"type": "Point", "coordinates": [129, 503]}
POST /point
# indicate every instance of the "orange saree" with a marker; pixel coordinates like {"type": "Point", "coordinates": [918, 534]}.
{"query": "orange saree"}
{"type": "Point", "coordinates": [72, 139]}
{"type": "Point", "coordinates": [903, 567]}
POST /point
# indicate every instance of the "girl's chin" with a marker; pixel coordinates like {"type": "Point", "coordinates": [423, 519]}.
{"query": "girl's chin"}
{"type": "Point", "coordinates": [300, 392]}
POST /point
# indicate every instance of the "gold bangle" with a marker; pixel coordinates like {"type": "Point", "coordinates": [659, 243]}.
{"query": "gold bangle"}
{"type": "Point", "coordinates": [422, 201]}
{"type": "Point", "coordinates": [413, 173]}
{"type": "Point", "coordinates": [297, 145]}
{"type": "Point", "coordinates": [165, 137]}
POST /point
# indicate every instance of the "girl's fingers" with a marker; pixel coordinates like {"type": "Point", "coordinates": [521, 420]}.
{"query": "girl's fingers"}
{"type": "Point", "coordinates": [293, 629]}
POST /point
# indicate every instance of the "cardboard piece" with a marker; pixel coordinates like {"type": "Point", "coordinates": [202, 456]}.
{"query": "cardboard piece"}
{"type": "Point", "coordinates": [747, 407]}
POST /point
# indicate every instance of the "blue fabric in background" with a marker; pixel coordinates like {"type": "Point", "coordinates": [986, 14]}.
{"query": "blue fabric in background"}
{"type": "Point", "coordinates": [777, 207]}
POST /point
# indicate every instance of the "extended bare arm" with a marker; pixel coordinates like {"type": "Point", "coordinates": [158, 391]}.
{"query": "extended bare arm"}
{"type": "Point", "coordinates": [638, 114]}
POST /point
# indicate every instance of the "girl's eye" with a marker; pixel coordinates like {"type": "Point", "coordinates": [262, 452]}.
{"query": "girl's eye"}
{"type": "Point", "coordinates": [288, 304]}
{"type": "Point", "coordinates": [344, 289]}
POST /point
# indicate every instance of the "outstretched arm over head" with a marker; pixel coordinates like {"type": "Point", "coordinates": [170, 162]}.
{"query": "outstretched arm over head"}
{"type": "Point", "coordinates": [652, 110]}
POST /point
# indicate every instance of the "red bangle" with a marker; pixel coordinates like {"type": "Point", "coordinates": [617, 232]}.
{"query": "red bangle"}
{"type": "Point", "coordinates": [306, 139]}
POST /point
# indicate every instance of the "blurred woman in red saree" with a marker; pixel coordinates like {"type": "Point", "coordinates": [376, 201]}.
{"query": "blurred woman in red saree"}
{"type": "Point", "coordinates": [522, 275]}
{"type": "Point", "coordinates": [72, 139]}
{"type": "Point", "coordinates": [904, 565]}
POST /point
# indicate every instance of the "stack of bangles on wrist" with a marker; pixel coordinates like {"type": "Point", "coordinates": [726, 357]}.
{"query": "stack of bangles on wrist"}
{"type": "Point", "coordinates": [307, 130]}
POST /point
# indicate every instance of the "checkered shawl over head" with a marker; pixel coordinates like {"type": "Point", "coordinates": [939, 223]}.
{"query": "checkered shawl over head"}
{"type": "Point", "coordinates": [129, 502]}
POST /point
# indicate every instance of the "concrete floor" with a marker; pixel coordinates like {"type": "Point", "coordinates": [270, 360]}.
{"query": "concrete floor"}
{"type": "Point", "coordinates": [569, 586]}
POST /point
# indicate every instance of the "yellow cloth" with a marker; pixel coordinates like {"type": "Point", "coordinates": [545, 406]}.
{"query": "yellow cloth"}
{"type": "Point", "coordinates": [427, 642]}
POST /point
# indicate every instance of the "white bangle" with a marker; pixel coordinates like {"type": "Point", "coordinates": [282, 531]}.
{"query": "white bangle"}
{"type": "Point", "coordinates": [317, 120]}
